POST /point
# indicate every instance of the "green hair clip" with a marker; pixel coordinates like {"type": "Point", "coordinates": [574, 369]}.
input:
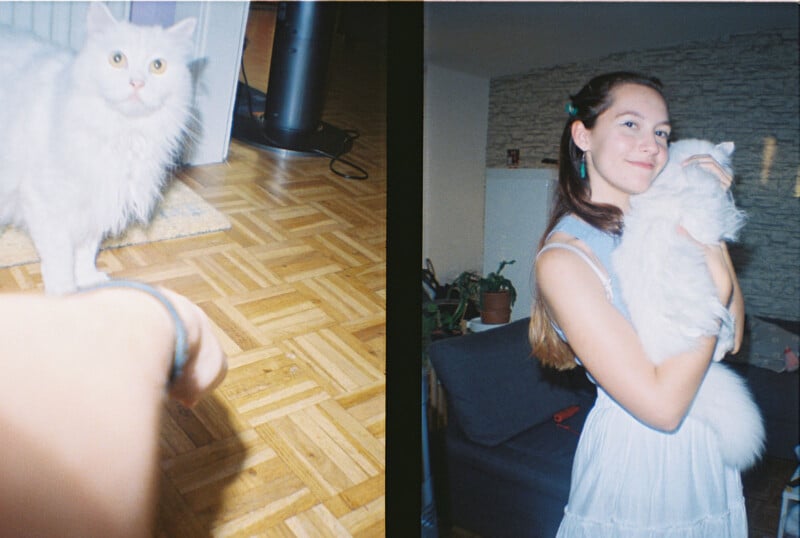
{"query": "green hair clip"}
{"type": "Point", "coordinates": [572, 110]}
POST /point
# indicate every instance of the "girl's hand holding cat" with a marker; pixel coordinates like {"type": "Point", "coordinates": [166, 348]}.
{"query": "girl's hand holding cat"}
{"type": "Point", "coordinates": [716, 260]}
{"type": "Point", "coordinates": [719, 266]}
{"type": "Point", "coordinates": [710, 163]}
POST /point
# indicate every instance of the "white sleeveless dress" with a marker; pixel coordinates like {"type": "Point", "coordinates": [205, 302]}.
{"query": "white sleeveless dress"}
{"type": "Point", "coordinates": [631, 481]}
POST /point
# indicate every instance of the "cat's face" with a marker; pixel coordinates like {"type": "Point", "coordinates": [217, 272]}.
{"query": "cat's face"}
{"type": "Point", "coordinates": [673, 177]}
{"type": "Point", "coordinates": [137, 70]}
{"type": "Point", "coordinates": [683, 149]}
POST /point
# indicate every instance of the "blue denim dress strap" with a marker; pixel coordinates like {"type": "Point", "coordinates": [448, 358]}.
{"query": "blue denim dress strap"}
{"type": "Point", "coordinates": [602, 245]}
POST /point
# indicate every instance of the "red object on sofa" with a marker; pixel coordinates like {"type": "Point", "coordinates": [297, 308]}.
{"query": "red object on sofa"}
{"type": "Point", "coordinates": [565, 413]}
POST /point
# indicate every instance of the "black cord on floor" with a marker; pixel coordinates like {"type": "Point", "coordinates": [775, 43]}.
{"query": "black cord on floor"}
{"type": "Point", "coordinates": [350, 136]}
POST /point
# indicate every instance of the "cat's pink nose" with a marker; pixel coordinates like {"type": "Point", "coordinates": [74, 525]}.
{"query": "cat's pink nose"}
{"type": "Point", "coordinates": [137, 84]}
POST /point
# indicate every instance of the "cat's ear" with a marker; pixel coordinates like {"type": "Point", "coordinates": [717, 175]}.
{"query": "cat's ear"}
{"type": "Point", "coordinates": [99, 18]}
{"type": "Point", "coordinates": [183, 29]}
{"type": "Point", "coordinates": [726, 148]}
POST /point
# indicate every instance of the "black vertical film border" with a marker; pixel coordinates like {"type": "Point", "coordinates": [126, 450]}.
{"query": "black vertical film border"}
{"type": "Point", "coordinates": [404, 247]}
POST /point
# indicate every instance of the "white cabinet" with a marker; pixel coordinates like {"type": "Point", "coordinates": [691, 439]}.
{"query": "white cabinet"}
{"type": "Point", "coordinates": [517, 208]}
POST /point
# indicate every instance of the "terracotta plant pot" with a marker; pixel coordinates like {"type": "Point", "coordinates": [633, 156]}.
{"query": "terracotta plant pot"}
{"type": "Point", "coordinates": [496, 307]}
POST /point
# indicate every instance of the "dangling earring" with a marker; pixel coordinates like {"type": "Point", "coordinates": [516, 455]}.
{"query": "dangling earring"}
{"type": "Point", "coordinates": [583, 166]}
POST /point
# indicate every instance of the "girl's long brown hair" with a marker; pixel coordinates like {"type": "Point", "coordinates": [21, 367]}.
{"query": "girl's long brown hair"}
{"type": "Point", "coordinates": [573, 195]}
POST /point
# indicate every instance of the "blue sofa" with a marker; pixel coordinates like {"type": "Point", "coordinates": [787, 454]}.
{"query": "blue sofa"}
{"type": "Point", "coordinates": [776, 393]}
{"type": "Point", "coordinates": [505, 465]}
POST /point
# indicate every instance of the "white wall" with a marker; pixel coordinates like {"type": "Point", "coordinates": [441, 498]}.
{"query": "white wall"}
{"type": "Point", "coordinates": [454, 170]}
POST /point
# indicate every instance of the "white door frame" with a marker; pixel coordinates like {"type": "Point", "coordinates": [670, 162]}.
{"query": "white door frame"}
{"type": "Point", "coordinates": [219, 41]}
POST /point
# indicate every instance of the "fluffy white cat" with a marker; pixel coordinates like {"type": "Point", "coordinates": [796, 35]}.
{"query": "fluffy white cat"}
{"type": "Point", "coordinates": [671, 297]}
{"type": "Point", "coordinates": [87, 140]}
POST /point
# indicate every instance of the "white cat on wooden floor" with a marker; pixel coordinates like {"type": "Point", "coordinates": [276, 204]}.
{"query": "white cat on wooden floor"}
{"type": "Point", "coordinates": [87, 140]}
{"type": "Point", "coordinates": [669, 292]}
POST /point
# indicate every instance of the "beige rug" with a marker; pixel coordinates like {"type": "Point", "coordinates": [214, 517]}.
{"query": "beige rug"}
{"type": "Point", "coordinates": [181, 213]}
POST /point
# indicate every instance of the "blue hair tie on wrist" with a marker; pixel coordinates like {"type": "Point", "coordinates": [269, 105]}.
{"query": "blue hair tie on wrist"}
{"type": "Point", "coordinates": [181, 345]}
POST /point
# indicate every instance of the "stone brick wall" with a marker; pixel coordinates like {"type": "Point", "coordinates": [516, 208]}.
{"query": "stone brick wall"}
{"type": "Point", "coordinates": [742, 88]}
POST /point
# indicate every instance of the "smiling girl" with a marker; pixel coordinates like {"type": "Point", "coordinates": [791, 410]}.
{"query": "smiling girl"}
{"type": "Point", "coordinates": [640, 469]}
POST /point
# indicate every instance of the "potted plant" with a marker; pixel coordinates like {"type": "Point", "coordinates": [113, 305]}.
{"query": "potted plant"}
{"type": "Point", "coordinates": [491, 296]}
{"type": "Point", "coordinates": [497, 296]}
{"type": "Point", "coordinates": [445, 316]}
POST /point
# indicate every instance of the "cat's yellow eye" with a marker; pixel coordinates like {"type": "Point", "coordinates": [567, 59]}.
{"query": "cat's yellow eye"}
{"type": "Point", "coordinates": [158, 66]}
{"type": "Point", "coordinates": [117, 59]}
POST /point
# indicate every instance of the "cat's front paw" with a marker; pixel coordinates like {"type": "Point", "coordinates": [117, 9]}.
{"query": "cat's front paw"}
{"type": "Point", "coordinates": [90, 279]}
{"type": "Point", "coordinates": [59, 288]}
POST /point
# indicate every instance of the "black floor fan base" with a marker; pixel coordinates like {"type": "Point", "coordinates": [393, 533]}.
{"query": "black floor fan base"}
{"type": "Point", "coordinates": [326, 140]}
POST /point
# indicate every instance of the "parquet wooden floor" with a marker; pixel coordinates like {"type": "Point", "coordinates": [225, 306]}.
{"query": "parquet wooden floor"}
{"type": "Point", "coordinates": [292, 443]}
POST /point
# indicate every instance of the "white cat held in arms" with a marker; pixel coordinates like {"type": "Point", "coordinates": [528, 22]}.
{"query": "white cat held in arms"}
{"type": "Point", "coordinates": [671, 297]}
{"type": "Point", "coordinates": [88, 139]}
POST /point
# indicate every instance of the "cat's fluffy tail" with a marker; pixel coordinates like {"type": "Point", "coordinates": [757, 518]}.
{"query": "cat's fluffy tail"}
{"type": "Point", "coordinates": [724, 403]}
